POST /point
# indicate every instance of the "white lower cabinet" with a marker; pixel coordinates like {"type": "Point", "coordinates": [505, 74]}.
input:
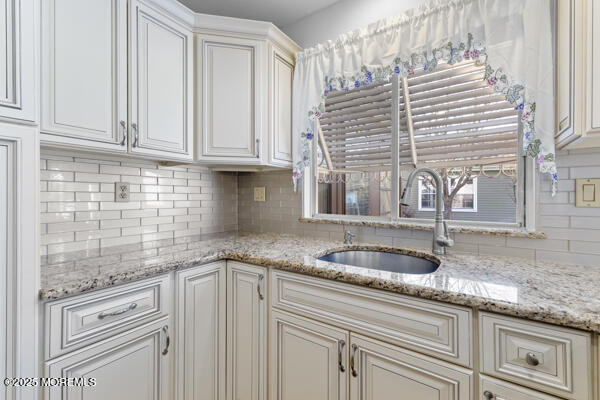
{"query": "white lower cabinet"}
{"type": "Point", "coordinates": [311, 360]}
{"type": "Point", "coordinates": [308, 359]}
{"type": "Point", "coordinates": [382, 371]}
{"type": "Point", "coordinates": [246, 332]}
{"type": "Point", "coordinates": [495, 389]}
{"type": "Point", "coordinates": [133, 365]}
{"type": "Point", "coordinates": [201, 332]}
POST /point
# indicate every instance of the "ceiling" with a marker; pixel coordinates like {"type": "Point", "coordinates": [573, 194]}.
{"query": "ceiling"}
{"type": "Point", "coordinates": [280, 12]}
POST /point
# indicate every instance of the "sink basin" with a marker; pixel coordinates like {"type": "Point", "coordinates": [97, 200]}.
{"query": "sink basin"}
{"type": "Point", "coordinates": [384, 261]}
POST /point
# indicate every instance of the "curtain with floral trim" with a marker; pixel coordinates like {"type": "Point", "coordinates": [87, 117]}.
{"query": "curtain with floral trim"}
{"type": "Point", "coordinates": [512, 38]}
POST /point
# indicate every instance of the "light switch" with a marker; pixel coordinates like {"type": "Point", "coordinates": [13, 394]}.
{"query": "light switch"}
{"type": "Point", "coordinates": [587, 193]}
{"type": "Point", "coordinates": [259, 194]}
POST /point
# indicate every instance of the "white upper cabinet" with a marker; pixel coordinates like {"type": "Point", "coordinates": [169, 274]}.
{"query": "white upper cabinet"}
{"type": "Point", "coordinates": [231, 91]}
{"type": "Point", "coordinates": [244, 98]}
{"type": "Point", "coordinates": [161, 88]}
{"type": "Point", "coordinates": [110, 83]}
{"type": "Point", "coordinates": [578, 74]}
{"type": "Point", "coordinates": [17, 60]}
{"type": "Point", "coordinates": [84, 73]}
{"type": "Point", "coordinates": [280, 148]}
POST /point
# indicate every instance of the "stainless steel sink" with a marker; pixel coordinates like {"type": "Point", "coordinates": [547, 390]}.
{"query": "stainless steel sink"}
{"type": "Point", "coordinates": [384, 261]}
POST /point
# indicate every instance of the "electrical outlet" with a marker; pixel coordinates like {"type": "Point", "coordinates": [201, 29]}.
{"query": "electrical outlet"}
{"type": "Point", "coordinates": [259, 194]}
{"type": "Point", "coordinates": [121, 192]}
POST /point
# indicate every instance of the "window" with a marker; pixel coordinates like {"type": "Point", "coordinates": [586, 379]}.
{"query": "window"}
{"type": "Point", "coordinates": [450, 120]}
{"type": "Point", "coordinates": [465, 199]}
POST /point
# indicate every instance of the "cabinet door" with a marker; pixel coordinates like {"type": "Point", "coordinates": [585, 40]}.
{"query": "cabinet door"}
{"type": "Point", "coordinates": [17, 59]}
{"type": "Point", "coordinates": [593, 65]}
{"type": "Point", "coordinates": [308, 359]}
{"type": "Point", "coordinates": [161, 85]}
{"type": "Point", "coordinates": [201, 338]}
{"type": "Point", "coordinates": [382, 371]}
{"type": "Point", "coordinates": [84, 73]}
{"type": "Point", "coordinates": [246, 332]}
{"type": "Point", "coordinates": [230, 118]}
{"type": "Point", "coordinates": [280, 149]}
{"type": "Point", "coordinates": [130, 366]}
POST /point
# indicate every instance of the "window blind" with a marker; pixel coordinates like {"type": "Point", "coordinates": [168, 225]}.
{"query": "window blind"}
{"type": "Point", "coordinates": [458, 120]}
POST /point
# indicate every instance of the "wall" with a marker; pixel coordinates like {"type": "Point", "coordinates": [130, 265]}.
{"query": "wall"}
{"type": "Point", "coordinates": [573, 234]}
{"type": "Point", "coordinates": [342, 17]}
{"type": "Point", "coordinates": [78, 211]}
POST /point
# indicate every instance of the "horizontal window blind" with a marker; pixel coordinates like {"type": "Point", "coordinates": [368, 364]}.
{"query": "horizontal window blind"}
{"type": "Point", "coordinates": [357, 129]}
{"type": "Point", "coordinates": [458, 120]}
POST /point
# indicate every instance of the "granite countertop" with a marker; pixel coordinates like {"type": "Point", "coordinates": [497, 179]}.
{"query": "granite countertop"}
{"type": "Point", "coordinates": [557, 294]}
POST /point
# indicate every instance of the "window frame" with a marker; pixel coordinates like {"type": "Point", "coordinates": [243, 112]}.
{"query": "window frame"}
{"type": "Point", "coordinates": [526, 191]}
{"type": "Point", "coordinates": [463, 210]}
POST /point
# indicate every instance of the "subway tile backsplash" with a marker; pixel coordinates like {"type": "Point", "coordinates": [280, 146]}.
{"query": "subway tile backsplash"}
{"type": "Point", "coordinates": [78, 210]}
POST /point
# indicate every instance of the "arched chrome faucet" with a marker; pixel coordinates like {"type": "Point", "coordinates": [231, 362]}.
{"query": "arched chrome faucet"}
{"type": "Point", "coordinates": [441, 234]}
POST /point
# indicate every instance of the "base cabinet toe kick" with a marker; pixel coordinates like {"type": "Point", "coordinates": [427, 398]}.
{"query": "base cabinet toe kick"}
{"type": "Point", "coordinates": [233, 331]}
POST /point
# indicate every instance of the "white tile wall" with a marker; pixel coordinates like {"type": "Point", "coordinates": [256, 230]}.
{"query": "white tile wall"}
{"type": "Point", "coordinates": [573, 234]}
{"type": "Point", "coordinates": [78, 210]}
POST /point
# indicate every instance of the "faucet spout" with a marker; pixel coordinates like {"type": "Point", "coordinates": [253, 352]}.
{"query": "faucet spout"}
{"type": "Point", "coordinates": [441, 234]}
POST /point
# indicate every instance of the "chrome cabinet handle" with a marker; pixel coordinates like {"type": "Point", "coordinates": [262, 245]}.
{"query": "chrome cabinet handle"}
{"type": "Point", "coordinates": [341, 344]}
{"type": "Point", "coordinates": [352, 361]}
{"type": "Point", "coordinates": [167, 341]}
{"type": "Point", "coordinates": [103, 315]}
{"type": "Point", "coordinates": [532, 359]}
{"type": "Point", "coordinates": [259, 287]}
{"type": "Point", "coordinates": [257, 148]}
{"type": "Point", "coordinates": [488, 395]}
{"type": "Point", "coordinates": [135, 134]}
{"type": "Point", "coordinates": [124, 129]}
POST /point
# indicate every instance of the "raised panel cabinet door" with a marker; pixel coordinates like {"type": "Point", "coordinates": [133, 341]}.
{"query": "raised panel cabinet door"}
{"type": "Point", "coordinates": [201, 336]}
{"type": "Point", "coordinates": [593, 65]}
{"type": "Point", "coordinates": [17, 59]}
{"type": "Point", "coordinates": [84, 73]}
{"type": "Point", "coordinates": [161, 90]}
{"type": "Point", "coordinates": [231, 114]}
{"type": "Point", "coordinates": [281, 129]}
{"type": "Point", "coordinates": [380, 371]}
{"type": "Point", "coordinates": [133, 365]}
{"type": "Point", "coordinates": [308, 359]}
{"type": "Point", "coordinates": [246, 332]}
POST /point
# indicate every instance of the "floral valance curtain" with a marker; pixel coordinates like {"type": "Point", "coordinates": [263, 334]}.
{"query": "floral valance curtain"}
{"type": "Point", "coordinates": [512, 38]}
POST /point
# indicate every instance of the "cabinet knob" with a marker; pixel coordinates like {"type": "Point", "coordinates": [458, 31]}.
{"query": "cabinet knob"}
{"type": "Point", "coordinates": [532, 359]}
{"type": "Point", "coordinates": [261, 296]}
{"type": "Point", "coordinates": [488, 395]}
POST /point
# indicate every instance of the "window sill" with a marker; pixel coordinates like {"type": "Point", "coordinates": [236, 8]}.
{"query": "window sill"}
{"type": "Point", "coordinates": [384, 223]}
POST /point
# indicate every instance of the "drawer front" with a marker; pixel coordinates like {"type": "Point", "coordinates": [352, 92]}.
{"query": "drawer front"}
{"type": "Point", "coordinates": [81, 320]}
{"type": "Point", "coordinates": [490, 388]}
{"type": "Point", "coordinates": [425, 326]}
{"type": "Point", "coordinates": [542, 356]}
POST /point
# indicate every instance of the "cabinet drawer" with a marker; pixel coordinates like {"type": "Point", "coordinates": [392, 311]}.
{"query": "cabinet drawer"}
{"type": "Point", "coordinates": [545, 357]}
{"type": "Point", "coordinates": [84, 319]}
{"type": "Point", "coordinates": [425, 326]}
{"type": "Point", "coordinates": [490, 388]}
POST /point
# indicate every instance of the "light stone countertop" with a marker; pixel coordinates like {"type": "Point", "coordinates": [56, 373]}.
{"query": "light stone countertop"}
{"type": "Point", "coordinates": [557, 294]}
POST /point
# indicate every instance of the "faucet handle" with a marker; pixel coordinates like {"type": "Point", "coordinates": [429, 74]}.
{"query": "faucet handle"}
{"type": "Point", "coordinates": [445, 240]}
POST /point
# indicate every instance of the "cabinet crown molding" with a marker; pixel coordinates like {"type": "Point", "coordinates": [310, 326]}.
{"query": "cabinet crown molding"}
{"type": "Point", "coordinates": [206, 23]}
